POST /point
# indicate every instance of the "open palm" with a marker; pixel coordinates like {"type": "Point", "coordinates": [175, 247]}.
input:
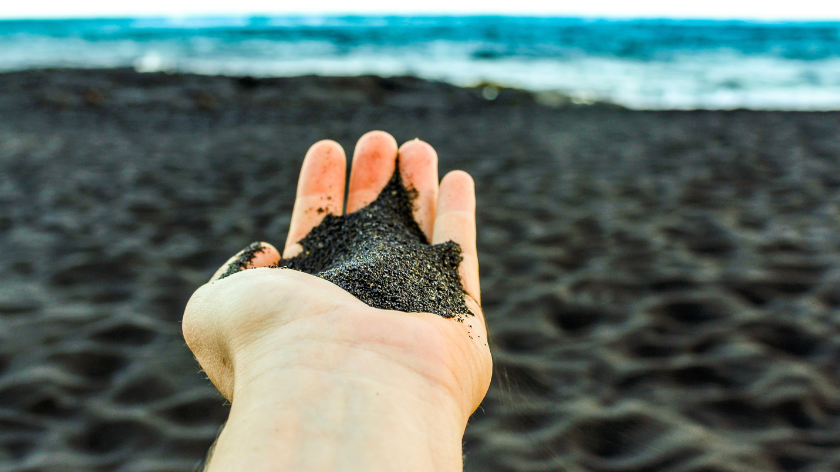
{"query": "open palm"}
{"type": "Point", "coordinates": [264, 319]}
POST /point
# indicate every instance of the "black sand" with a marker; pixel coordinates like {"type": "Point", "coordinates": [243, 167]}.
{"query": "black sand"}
{"type": "Point", "coordinates": [380, 255]}
{"type": "Point", "coordinates": [662, 287]}
{"type": "Point", "coordinates": [243, 258]}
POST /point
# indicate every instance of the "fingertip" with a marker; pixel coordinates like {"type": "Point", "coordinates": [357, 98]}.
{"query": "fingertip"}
{"type": "Point", "coordinates": [326, 150]}
{"type": "Point", "coordinates": [327, 145]}
{"type": "Point", "coordinates": [374, 149]}
{"type": "Point", "coordinates": [457, 192]}
{"type": "Point", "coordinates": [269, 256]}
{"type": "Point", "coordinates": [374, 162]}
{"type": "Point", "coordinates": [459, 177]}
{"type": "Point", "coordinates": [258, 254]}
{"type": "Point", "coordinates": [417, 145]}
{"type": "Point", "coordinates": [323, 170]}
{"type": "Point", "coordinates": [376, 138]}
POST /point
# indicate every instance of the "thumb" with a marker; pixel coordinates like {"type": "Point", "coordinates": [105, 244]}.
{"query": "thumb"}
{"type": "Point", "coordinates": [257, 254]}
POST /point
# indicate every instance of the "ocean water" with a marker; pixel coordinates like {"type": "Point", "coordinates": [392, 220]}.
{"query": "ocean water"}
{"type": "Point", "coordinates": [642, 64]}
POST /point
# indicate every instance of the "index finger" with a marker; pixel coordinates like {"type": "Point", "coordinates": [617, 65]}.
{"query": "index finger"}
{"type": "Point", "coordinates": [320, 191]}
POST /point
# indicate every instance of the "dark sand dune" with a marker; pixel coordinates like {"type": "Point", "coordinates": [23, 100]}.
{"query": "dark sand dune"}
{"type": "Point", "coordinates": [663, 287]}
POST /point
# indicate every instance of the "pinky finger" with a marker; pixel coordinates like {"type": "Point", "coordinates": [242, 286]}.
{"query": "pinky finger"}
{"type": "Point", "coordinates": [455, 221]}
{"type": "Point", "coordinates": [257, 254]}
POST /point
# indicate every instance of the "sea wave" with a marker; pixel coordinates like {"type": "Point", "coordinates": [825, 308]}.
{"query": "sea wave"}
{"type": "Point", "coordinates": [642, 64]}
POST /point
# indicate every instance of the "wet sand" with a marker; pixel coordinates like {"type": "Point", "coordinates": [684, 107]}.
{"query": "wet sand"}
{"type": "Point", "coordinates": [663, 288]}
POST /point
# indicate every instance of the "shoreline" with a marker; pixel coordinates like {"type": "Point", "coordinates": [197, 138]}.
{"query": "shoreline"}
{"type": "Point", "coordinates": [69, 88]}
{"type": "Point", "coordinates": [78, 93]}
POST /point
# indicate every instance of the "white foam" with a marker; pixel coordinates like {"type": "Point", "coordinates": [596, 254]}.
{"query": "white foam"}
{"type": "Point", "coordinates": [708, 80]}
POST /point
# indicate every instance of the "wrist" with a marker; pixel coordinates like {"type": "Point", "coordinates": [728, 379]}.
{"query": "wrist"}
{"type": "Point", "coordinates": [310, 413]}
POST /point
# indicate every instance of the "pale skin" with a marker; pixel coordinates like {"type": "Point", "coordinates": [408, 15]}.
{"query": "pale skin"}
{"type": "Point", "coordinates": [319, 381]}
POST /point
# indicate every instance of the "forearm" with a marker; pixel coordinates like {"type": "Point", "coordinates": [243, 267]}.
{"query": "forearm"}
{"type": "Point", "coordinates": [304, 419]}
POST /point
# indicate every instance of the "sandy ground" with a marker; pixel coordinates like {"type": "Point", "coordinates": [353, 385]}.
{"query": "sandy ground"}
{"type": "Point", "coordinates": [663, 287]}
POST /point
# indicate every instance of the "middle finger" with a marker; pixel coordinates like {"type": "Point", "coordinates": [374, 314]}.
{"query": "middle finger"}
{"type": "Point", "coordinates": [374, 162]}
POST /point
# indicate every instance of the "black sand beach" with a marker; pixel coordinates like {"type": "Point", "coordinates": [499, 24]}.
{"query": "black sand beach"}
{"type": "Point", "coordinates": [662, 288]}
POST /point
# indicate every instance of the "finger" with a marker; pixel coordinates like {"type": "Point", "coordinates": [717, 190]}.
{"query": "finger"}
{"type": "Point", "coordinates": [320, 191]}
{"type": "Point", "coordinates": [258, 254]}
{"type": "Point", "coordinates": [374, 162]}
{"type": "Point", "coordinates": [419, 168]}
{"type": "Point", "coordinates": [455, 221]}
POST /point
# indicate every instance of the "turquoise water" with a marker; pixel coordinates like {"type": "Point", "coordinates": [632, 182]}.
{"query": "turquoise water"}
{"type": "Point", "coordinates": [648, 64]}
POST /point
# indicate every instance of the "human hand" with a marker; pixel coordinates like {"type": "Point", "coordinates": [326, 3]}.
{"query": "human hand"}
{"type": "Point", "coordinates": [258, 331]}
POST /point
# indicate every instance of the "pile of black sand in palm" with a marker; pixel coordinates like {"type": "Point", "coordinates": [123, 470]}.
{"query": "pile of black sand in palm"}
{"type": "Point", "coordinates": [380, 255]}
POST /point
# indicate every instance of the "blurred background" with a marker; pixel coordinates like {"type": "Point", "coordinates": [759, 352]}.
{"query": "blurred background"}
{"type": "Point", "coordinates": [658, 210]}
{"type": "Point", "coordinates": [651, 63]}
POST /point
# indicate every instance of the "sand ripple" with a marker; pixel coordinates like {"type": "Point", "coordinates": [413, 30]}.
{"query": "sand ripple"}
{"type": "Point", "coordinates": [662, 288]}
